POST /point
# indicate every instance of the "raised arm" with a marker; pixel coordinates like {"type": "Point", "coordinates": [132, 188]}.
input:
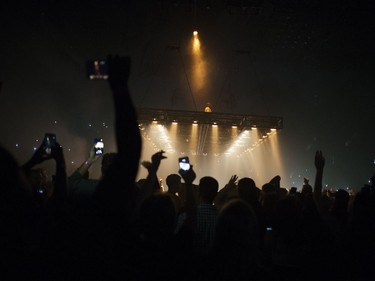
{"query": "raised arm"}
{"type": "Point", "coordinates": [38, 157]}
{"type": "Point", "coordinates": [151, 184]}
{"type": "Point", "coordinates": [128, 138]}
{"type": "Point", "coordinates": [223, 195]}
{"type": "Point", "coordinates": [60, 191]}
{"type": "Point", "coordinates": [91, 159]}
{"type": "Point", "coordinates": [78, 183]}
{"type": "Point", "coordinates": [116, 196]}
{"type": "Point", "coordinates": [190, 200]}
{"type": "Point", "coordinates": [318, 185]}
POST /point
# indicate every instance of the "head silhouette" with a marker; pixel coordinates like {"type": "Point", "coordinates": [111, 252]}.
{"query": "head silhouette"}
{"type": "Point", "coordinates": [247, 190]}
{"type": "Point", "coordinates": [208, 188]}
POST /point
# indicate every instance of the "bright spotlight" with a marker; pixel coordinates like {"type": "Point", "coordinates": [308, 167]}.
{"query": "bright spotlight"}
{"type": "Point", "coordinates": [234, 126]}
{"type": "Point", "coordinates": [273, 130]}
{"type": "Point", "coordinates": [195, 33]}
{"type": "Point", "coordinates": [174, 123]}
{"type": "Point", "coordinates": [208, 107]}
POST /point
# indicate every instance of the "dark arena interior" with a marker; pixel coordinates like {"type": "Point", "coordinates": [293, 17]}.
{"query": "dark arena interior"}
{"type": "Point", "coordinates": [272, 101]}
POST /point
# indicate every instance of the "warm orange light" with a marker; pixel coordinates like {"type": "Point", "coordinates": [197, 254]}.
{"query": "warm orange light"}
{"type": "Point", "coordinates": [208, 107]}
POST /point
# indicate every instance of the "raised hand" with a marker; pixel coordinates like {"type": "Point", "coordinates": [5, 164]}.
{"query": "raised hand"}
{"type": "Point", "coordinates": [156, 159]}
{"type": "Point", "coordinates": [188, 176]}
{"type": "Point", "coordinates": [319, 160]}
{"type": "Point", "coordinates": [232, 181]}
{"type": "Point", "coordinates": [40, 155]}
{"type": "Point", "coordinates": [57, 153]}
{"type": "Point", "coordinates": [147, 165]}
{"type": "Point", "coordinates": [318, 185]}
{"type": "Point", "coordinates": [118, 71]}
{"type": "Point", "coordinates": [92, 155]}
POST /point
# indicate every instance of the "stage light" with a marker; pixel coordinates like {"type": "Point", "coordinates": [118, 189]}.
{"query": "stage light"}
{"type": "Point", "coordinates": [217, 141]}
{"type": "Point", "coordinates": [195, 33]}
{"type": "Point", "coordinates": [215, 147]}
{"type": "Point", "coordinates": [276, 151]}
{"type": "Point", "coordinates": [162, 135]}
{"type": "Point", "coordinates": [196, 45]}
{"type": "Point", "coordinates": [208, 107]}
{"type": "Point", "coordinates": [194, 136]}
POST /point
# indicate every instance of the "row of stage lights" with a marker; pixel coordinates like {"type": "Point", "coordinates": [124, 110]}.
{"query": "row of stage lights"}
{"type": "Point", "coordinates": [214, 124]}
{"type": "Point", "coordinates": [238, 144]}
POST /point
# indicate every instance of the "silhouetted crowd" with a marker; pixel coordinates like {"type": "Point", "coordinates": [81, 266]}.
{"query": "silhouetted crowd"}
{"type": "Point", "coordinates": [118, 228]}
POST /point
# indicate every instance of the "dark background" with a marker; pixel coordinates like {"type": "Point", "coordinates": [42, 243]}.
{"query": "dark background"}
{"type": "Point", "coordinates": [311, 62]}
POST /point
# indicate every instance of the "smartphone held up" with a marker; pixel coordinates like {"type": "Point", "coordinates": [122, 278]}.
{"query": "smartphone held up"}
{"type": "Point", "coordinates": [99, 146]}
{"type": "Point", "coordinates": [184, 164]}
{"type": "Point", "coordinates": [97, 69]}
{"type": "Point", "coordinates": [49, 142]}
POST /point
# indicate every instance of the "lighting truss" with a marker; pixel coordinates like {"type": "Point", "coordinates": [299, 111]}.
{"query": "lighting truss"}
{"type": "Point", "coordinates": [213, 118]}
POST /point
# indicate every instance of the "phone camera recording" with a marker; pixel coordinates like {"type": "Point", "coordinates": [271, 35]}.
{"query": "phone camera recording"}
{"type": "Point", "coordinates": [99, 146]}
{"type": "Point", "coordinates": [97, 70]}
{"type": "Point", "coordinates": [49, 142]}
{"type": "Point", "coordinates": [184, 163]}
